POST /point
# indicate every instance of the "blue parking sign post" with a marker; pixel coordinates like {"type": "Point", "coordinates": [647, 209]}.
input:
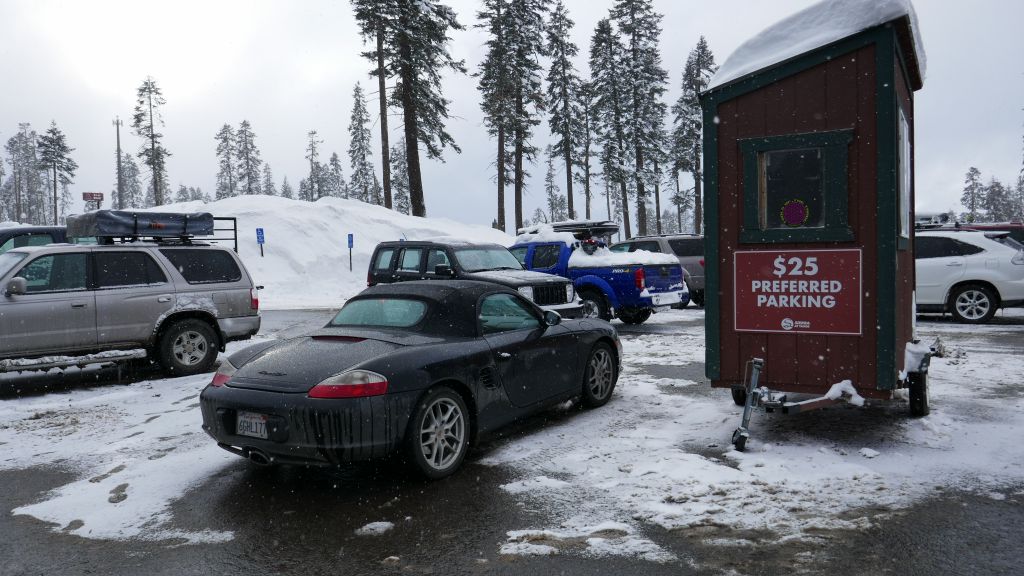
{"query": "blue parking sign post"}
{"type": "Point", "coordinates": [259, 240]}
{"type": "Point", "coordinates": [351, 242]}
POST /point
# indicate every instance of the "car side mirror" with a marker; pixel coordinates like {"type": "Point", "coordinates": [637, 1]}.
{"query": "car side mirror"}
{"type": "Point", "coordinates": [444, 270]}
{"type": "Point", "coordinates": [16, 287]}
{"type": "Point", "coordinates": [552, 318]}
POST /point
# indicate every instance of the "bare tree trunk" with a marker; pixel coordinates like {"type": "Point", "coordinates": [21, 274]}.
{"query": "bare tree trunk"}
{"type": "Point", "coordinates": [55, 223]}
{"type": "Point", "coordinates": [625, 210]}
{"type": "Point", "coordinates": [385, 150]}
{"type": "Point", "coordinates": [586, 183]}
{"type": "Point", "coordinates": [519, 178]}
{"type": "Point", "coordinates": [412, 149]}
{"type": "Point", "coordinates": [158, 195]}
{"type": "Point", "coordinates": [567, 151]}
{"type": "Point", "coordinates": [657, 196]}
{"type": "Point", "coordinates": [501, 177]}
{"type": "Point", "coordinates": [641, 204]}
{"type": "Point", "coordinates": [698, 207]}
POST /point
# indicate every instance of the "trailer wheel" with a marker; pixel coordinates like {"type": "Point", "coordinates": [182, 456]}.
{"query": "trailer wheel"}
{"type": "Point", "coordinates": [739, 396]}
{"type": "Point", "coordinates": [918, 385]}
{"type": "Point", "coordinates": [739, 439]}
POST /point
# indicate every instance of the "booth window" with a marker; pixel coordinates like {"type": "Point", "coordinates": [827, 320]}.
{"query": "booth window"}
{"type": "Point", "coordinates": [795, 188]}
{"type": "Point", "coordinates": [904, 181]}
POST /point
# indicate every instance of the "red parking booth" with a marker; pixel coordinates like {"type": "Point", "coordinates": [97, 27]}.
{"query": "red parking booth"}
{"type": "Point", "coordinates": [808, 147]}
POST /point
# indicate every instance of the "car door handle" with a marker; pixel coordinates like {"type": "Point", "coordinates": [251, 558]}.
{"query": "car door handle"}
{"type": "Point", "coordinates": [163, 299]}
{"type": "Point", "coordinates": [78, 304]}
{"type": "Point", "coordinates": [504, 356]}
{"type": "Point", "coordinates": [954, 264]}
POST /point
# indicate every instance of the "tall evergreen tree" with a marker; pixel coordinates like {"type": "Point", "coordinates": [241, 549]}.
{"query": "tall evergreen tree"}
{"type": "Point", "coordinates": [687, 137]}
{"type": "Point", "coordinates": [607, 56]}
{"type": "Point", "coordinates": [27, 195]}
{"type": "Point", "coordinates": [336, 185]}
{"type": "Point", "coordinates": [249, 160]}
{"type": "Point", "coordinates": [183, 194]}
{"type": "Point", "coordinates": [419, 55]}
{"type": "Point", "coordinates": [376, 19]}
{"type": "Point", "coordinates": [312, 191]}
{"type": "Point", "coordinates": [359, 148]}
{"type": "Point", "coordinates": [640, 27]}
{"type": "Point", "coordinates": [585, 144]}
{"type": "Point", "coordinates": [146, 120]}
{"type": "Point", "coordinates": [998, 201]}
{"type": "Point", "coordinates": [400, 178]}
{"type": "Point", "coordinates": [563, 94]}
{"type": "Point", "coordinates": [525, 35]}
{"type": "Point", "coordinates": [286, 189]}
{"type": "Point", "coordinates": [268, 181]}
{"type": "Point", "coordinates": [54, 156]}
{"type": "Point", "coordinates": [227, 162]}
{"type": "Point", "coordinates": [131, 176]}
{"type": "Point", "coordinates": [557, 207]}
{"type": "Point", "coordinates": [496, 89]}
{"type": "Point", "coordinates": [973, 196]}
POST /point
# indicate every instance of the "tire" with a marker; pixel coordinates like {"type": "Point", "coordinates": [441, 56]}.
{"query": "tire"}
{"type": "Point", "coordinates": [973, 304]}
{"type": "Point", "coordinates": [595, 301]}
{"type": "Point", "coordinates": [634, 316]}
{"type": "Point", "coordinates": [697, 297]}
{"type": "Point", "coordinates": [599, 376]}
{"type": "Point", "coordinates": [438, 437]}
{"type": "Point", "coordinates": [739, 396]}
{"type": "Point", "coordinates": [918, 386]}
{"type": "Point", "coordinates": [187, 347]}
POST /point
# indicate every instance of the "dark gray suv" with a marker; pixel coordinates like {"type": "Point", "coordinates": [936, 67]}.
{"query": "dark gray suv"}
{"type": "Point", "coordinates": [178, 303]}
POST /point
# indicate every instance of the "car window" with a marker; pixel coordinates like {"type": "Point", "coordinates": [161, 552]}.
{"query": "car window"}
{"type": "Point", "coordinates": [55, 273]}
{"type": "Point", "coordinates": [624, 247]}
{"type": "Point", "coordinates": [520, 254]}
{"type": "Point", "coordinates": [29, 239]}
{"type": "Point", "coordinates": [114, 269]}
{"type": "Point", "coordinates": [650, 246]}
{"type": "Point", "coordinates": [9, 260]}
{"type": "Point", "coordinates": [384, 258]}
{"type": "Point", "coordinates": [546, 255]}
{"type": "Point", "coordinates": [687, 246]}
{"type": "Point", "coordinates": [505, 312]}
{"type": "Point", "coordinates": [477, 259]}
{"type": "Point", "coordinates": [436, 257]}
{"type": "Point", "coordinates": [198, 266]}
{"type": "Point", "coordinates": [381, 312]}
{"type": "Point", "coordinates": [939, 247]}
{"type": "Point", "coordinates": [410, 261]}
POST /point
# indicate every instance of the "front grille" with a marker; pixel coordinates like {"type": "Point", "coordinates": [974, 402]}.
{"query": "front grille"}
{"type": "Point", "coordinates": [549, 294]}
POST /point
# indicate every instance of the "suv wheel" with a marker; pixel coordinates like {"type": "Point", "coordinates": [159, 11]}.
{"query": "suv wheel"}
{"type": "Point", "coordinates": [187, 347]}
{"type": "Point", "coordinates": [973, 304]}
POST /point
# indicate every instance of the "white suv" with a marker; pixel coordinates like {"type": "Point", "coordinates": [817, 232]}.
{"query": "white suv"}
{"type": "Point", "coordinates": [969, 274]}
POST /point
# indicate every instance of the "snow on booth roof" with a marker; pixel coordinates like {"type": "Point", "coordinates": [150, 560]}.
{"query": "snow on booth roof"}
{"type": "Point", "coordinates": [816, 26]}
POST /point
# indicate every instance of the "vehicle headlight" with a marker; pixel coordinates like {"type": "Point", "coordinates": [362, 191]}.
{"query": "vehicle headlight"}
{"type": "Point", "coordinates": [570, 294]}
{"type": "Point", "coordinates": [527, 292]}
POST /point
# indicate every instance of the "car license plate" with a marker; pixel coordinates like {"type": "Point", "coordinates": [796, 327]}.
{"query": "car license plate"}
{"type": "Point", "coordinates": [251, 424]}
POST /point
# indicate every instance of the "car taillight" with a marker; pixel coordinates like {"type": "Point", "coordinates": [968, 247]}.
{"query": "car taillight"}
{"type": "Point", "coordinates": [1018, 259]}
{"type": "Point", "coordinates": [351, 384]}
{"type": "Point", "coordinates": [223, 374]}
{"type": "Point", "coordinates": [254, 298]}
{"type": "Point", "coordinates": [640, 278]}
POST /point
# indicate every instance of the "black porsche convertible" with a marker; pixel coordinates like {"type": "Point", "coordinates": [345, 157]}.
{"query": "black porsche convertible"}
{"type": "Point", "coordinates": [420, 367]}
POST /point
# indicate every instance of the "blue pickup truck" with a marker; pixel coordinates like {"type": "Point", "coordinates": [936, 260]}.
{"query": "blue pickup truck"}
{"type": "Point", "coordinates": [629, 286]}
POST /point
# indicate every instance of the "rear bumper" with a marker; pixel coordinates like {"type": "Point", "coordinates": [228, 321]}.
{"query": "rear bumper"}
{"type": "Point", "coordinates": [239, 327]}
{"type": "Point", "coordinates": [302, 430]}
{"type": "Point", "coordinates": [667, 298]}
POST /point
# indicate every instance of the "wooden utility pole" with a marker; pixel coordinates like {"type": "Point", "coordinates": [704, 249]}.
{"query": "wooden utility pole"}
{"type": "Point", "coordinates": [120, 174]}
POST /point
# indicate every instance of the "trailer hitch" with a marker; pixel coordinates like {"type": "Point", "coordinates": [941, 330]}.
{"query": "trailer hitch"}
{"type": "Point", "coordinates": [753, 398]}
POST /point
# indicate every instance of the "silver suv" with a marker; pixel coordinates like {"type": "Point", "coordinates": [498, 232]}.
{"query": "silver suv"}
{"type": "Point", "coordinates": [177, 303]}
{"type": "Point", "coordinates": [689, 248]}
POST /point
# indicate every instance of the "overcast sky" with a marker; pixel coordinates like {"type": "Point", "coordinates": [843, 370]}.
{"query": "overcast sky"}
{"type": "Point", "coordinates": [289, 67]}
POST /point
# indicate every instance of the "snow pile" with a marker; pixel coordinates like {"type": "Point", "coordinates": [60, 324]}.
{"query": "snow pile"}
{"type": "Point", "coordinates": [306, 260]}
{"type": "Point", "coordinates": [9, 224]}
{"type": "Point", "coordinates": [603, 257]}
{"type": "Point", "coordinates": [599, 540]}
{"type": "Point", "coordinates": [845, 387]}
{"type": "Point", "coordinates": [540, 482]}
{"type": "Point", "coordinates": [544, 233]}
{"type": "Point", "coordinates": [814, 27]}
{"type": "Point", "coordinates": [375, 529]}
{"type": "Point", "coordinates": [913, 357]}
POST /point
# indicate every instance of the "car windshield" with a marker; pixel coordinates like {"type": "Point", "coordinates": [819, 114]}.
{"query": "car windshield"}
{"type": "Point", "coordinates": [479, 259]}
{"type": "Point", "coordinates": [381, 312]}
{"type": "Point", "coordinates": [8, 260]}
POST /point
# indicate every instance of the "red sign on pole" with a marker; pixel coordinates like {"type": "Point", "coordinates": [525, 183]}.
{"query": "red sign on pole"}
{"type": "Point", "coordinates": [798, 291]}
{"type": "Point", "coordinates": [92, 196]}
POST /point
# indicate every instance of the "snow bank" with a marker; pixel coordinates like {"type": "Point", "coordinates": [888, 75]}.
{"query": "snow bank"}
{"type": "Point", "coordinates": [604, 257]}
{"type": "Point", "coordinates": [306, 261]}
{"type": "Point", "coordinates": [845, 387]}
{"type": "Point", "coordinates": [814, 27]}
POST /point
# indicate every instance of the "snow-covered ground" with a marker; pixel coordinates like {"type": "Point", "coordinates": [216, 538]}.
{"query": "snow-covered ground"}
{"type": "Point", "coordinates": [657, 455]}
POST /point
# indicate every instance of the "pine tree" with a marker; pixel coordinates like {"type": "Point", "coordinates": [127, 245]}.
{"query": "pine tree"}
{"type": "Point", "coordinates": [376, 192]}
{"type": "Point", "coordinates": [606, 68]}
{"type": "Point", "coordinates": [27, 196]}
{"type": "Point", "coordinates": [227, 162]}
{"type": "Point", "coordinates": [640, 27]}
{"type": "Point", "coordinates": [551, 191]}
{"type": "Point", "coordinates": [419, 56]}
{"type": "Point", "coordinates": [376, 19]}
{"type": "Point", "coordinates": [268, 181]}
{"type": "Point", "coordinates": [336, 185]}
{"type": "Point", "coordinates": [131, 176]}
{"type": "Point", "coordinates": [312, 191]}
{"type": "Point", "coordinates": [248, 160]}
{"type": "Point", "coordinates": [687, 138]}
{"type": "Point", "coordinates": [496, 90]}
{"type": "Point", "coordinates": [54, 156]}
{"type": "Point", "coordinates": [998, 202]}
{"type": "Point", "coordinates": [183, 194]}
{"type": "Point", "coordinates": [359, 149]}
{"type": "Point", "coordinates": [525, 36]}
{"type": "Point", "coordinates": [563, 94]}
{"type": "Point", "coordinates": [286, 189]}
{"type": "Point", "coordinates": [145, 122]}
{"type": "Point", "coordinates": [539, 217]}
{"type": "Point", "coordinates": [973, 195]}
{"type": "Point", "coordinates": [584, 153]}
{"type": "Point", "coordinates": [400, 178]}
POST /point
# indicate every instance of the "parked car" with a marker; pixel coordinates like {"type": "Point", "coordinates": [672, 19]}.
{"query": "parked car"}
{"type": "Point", "coordinates": [688, 248]}
{"type": "Point", "coordinates": [437, 260]}
{"type": "Point", "coordinates": [630, 286]}
{"type": "Point", "coordinates": [176, 302]}
{"type": "Point", "coordinates": [424, 368]}
{"type": "Point", "coordinates": [969, 274]}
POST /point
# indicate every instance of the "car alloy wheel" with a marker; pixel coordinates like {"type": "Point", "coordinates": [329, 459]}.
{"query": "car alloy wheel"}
{"type": "Point", "coordinates": [973, 304]}
{"type": "Point", "coordinates": [599, 380]}
{"type": "Point", "coordinates": [190, 348]}
{"type": "Point", "coordinates": [441, 434]}
{"type": "Point", "coordinates": [187, 347]}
